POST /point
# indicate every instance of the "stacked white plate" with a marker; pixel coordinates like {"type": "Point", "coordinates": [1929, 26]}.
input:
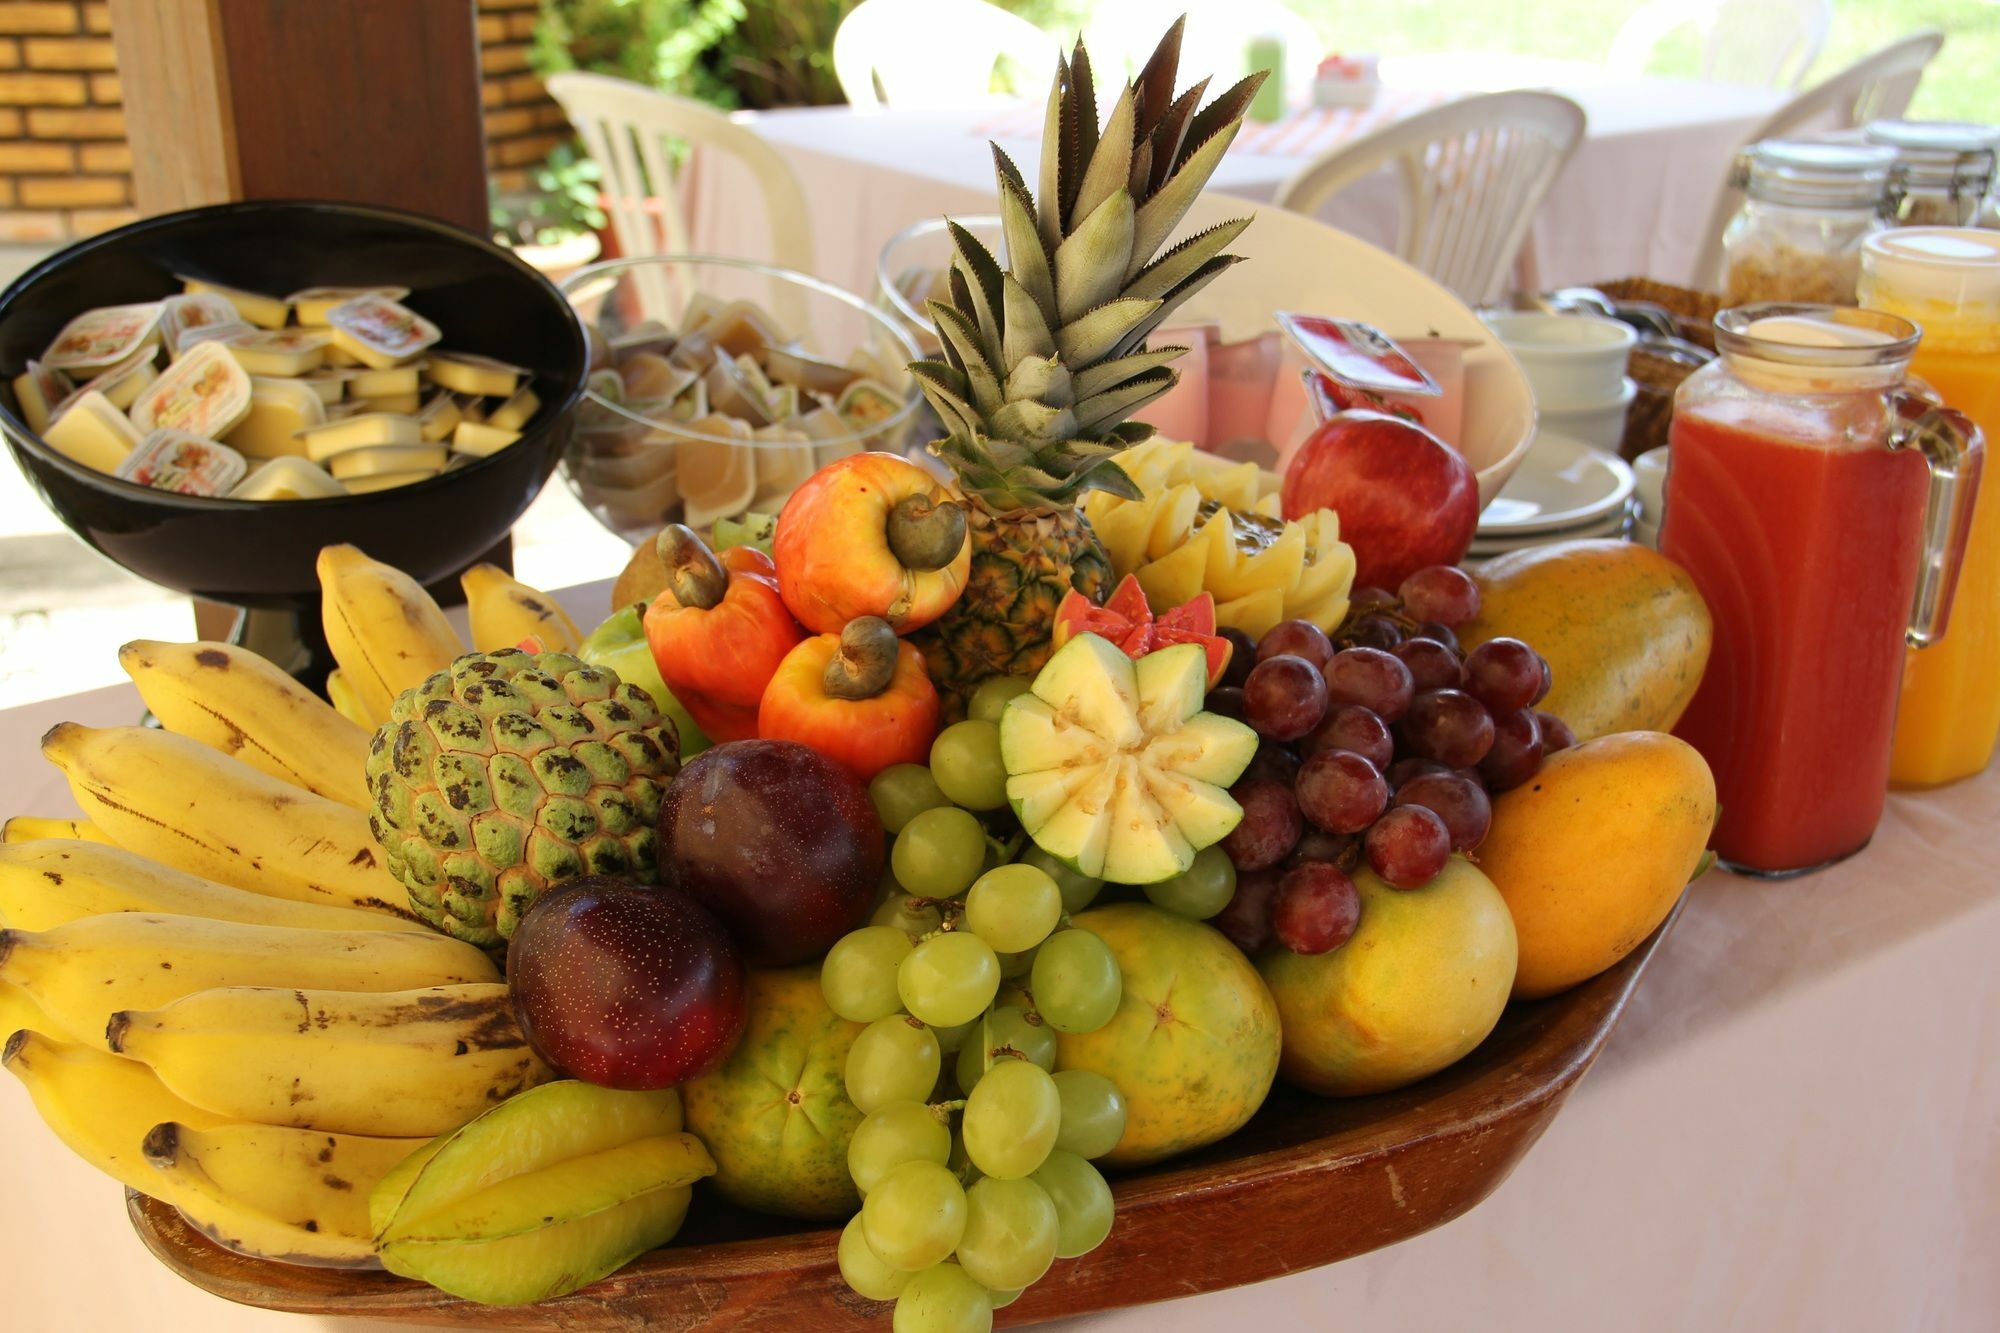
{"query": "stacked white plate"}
{"type": "Point", "coordinates": [1562, 491]}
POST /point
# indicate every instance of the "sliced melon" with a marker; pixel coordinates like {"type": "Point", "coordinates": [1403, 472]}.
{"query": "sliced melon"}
{"type": "Point", "coordinates": [1113, 767]}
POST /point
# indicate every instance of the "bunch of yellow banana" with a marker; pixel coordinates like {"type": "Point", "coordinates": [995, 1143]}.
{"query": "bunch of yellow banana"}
{"type": "Point", "coordinates": [216, 993]}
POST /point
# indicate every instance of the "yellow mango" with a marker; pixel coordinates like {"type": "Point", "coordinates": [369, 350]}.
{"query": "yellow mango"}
{"type": "Point", "coordinates": [1624, 629]}
{"type": "Point", "coordinates": [1592, 852]}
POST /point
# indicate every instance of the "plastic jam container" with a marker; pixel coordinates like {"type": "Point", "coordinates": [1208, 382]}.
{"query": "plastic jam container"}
{"type": "Point", "coordinates": [205, 393]}
{"type": "Point", "coordinates": [279, 410]}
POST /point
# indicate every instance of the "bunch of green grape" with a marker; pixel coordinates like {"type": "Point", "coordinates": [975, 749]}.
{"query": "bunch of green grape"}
{"type": "Point", "coordinates": [973, 1160]}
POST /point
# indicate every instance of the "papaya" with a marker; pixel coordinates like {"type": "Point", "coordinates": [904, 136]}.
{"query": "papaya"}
{"type": "Point", "coordinates": [1592, 852]}
{"type": "Point", "coordinates": [1194, 1044]}
{"type": "Point", "coordinates": [1420, 983]}
{"type": "Point", "coordinates": [1625, 631]}
{"type": "Point", "coordinates": [776, 1116]}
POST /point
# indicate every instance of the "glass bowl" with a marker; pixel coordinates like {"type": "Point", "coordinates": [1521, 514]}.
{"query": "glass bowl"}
{"type": "Point", "coordinates": [912, 265]}
{"type": "Point", "coordinates": [717, 386]}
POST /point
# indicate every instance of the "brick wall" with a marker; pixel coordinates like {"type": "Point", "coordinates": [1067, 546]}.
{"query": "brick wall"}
{"type": "Point", "coordinates": [64, 164]}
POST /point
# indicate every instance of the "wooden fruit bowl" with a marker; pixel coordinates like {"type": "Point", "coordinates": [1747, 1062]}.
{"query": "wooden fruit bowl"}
{"type": "Point", "coordinates": [1366, 1172]}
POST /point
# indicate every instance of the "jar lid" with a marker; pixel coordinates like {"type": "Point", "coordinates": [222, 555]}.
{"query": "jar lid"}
{"type": "Point", "coordinates": [1792, 348]}
{"type": "Point", "coordinates": [1934, 136]}
{"type": "Point", "coordinates": [1956, 266]}
{"type": "Point", "coordinates": [1811, 172]}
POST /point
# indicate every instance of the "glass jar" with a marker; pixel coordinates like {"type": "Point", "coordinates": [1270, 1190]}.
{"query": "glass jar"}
{"type": "Point", "coordinates": [1807, 208]}
{"type": "Point", "coordinates": [1943, 175]}
{"type": "Point", "coordinates": [1822, 509]}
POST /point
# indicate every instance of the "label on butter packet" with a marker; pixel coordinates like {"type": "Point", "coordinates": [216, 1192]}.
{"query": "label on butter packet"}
{"type": "Point", "coordinates": [172, 460]}
{"type": "Point", "coordinates": [313, 304]}
{"type": "Point", "coordinates": [103, 337]}
{"type": "Point", "coordinates": [381, 332]}
{"type": "Point", "coordinates": [205, 393]}
{"type": "Point", "coordinates": [194, 311]}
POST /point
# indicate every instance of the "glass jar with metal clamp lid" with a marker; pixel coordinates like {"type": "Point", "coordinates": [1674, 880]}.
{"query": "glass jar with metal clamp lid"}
{"type": "Point", "coordinates": [1943, 175]}
{"type": "Point", "coordinates": [1807, 208]}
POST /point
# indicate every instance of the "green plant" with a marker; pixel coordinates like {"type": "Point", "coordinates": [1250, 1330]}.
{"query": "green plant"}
{"type": "Point", "coordinates": [665, 44]}
{"type": "Point", "coordinates": [781, 54]}
{"type": "Point", "coordinates": [561, 203]}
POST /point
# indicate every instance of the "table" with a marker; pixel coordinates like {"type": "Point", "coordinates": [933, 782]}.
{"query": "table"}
{"type": "Point", "coordinates": [1796, 1127]}
{"type": "Point", "coordinates": [1634, 200]}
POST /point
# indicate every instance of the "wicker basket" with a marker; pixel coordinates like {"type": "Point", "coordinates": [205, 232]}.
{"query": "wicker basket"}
{"type": "Point", "coordinates": [1658, 376]}
{"type": "Point", "coordinates": [1694, 312]}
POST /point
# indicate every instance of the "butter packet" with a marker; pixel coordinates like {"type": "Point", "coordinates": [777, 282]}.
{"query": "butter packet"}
{"type": "Point", "coordinates": [266, 312]}
{"type": "Point", "coordinates": [121, 384]}
{"type": "Point", "coordinates": [470, 373]}
{"type": "Point", "coordinates": [288, 478]}
{"type": "Point", "coordinates": [280, 352]}
{"type": "Point", "coordinates": [38, 391]}
{"type": "Point", "coordinates": [383, 333]}
{"type": "Point", "coordinates": [206, 393]}
{"type": "Point", "coordinates": [312, 305]}
{"type": "Point", "coordinates": [178, 314]}
{"type": "Point", "coordinates": [172, 460]}
{"type": "Point", "coordinates": [103, 337]}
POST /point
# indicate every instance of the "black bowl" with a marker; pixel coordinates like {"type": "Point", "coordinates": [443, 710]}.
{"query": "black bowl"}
{"type": "Point", "coordinates": [260, 554]}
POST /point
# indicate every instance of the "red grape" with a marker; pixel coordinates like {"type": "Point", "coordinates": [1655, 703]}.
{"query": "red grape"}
{"type": "Point", "coordinates": [1316, 909]}
{"type": "Point", "coordinates": [1371, 678]}
{"type": "Point", "coordinates": [1242, 655]}
{"type": "Point", "coordinates": [1351, 727]}
{"type": "Point", "coordinates": [1316, 844]}
{"type": "Point", "coordinates": [1246, 920]}
{"type": "Point", "coordinates": [1503, 674]}
{"type": "Point", "coordinates": [1226, 700]}
{"type": "Point", "coordinates": [1274, 761]}
{"type": "Point", "coordinates": [1408, 846]}
{"type": "Point", "coordinates": [1556, 733]}
{"type": "Point", "coordinates": [1375, 632]}
{"type": "Point", "coordinates": [1432, 665]}
{"type": "Point", "coordinates": [1411, 767]}
{"type": "Point", "coordinates": [1341, 792]}
{"type": "Point", "coordinates": [1548, 681]}
{"type": "Point", "coordinates": [1284, 697]}
{"type": "Point", "coordinates": [1270, 828]}
{"type": "Point", "coordinates": [1449, 726]}
{"type": "Point", "coordinates": [1300, 638]}
{"type": "Point", "coordinates": [1516, 752]}
{"type": "Point", "coordinates": [1444, 593]}
{"type": "Point", "coordinates": [1431, 629]}
{"type": "Point", "coordinates": [1460, 802]}
{"type": "Point", "coordinates": [1363, 600]}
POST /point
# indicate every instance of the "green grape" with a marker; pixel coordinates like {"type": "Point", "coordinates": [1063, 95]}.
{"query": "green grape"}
{"type": "Point", "coordinates": [1002, 1299]}
{"type": "Point", "coordinates": [949, 979]}
{"type": "Point", "coordinates": [1093, 1113]}
{"type": "Point", "coordinates": [943, 1300]}
{"type": "Point", "coordinates": [1010, 1234]}
{"type": "Point", "coordinates": [1075, 981]}
{"type": "Point", "coordinates": [1014, 965]}
{"type": "Point", "coordinates": [1082, 1200]}
{"type": "Point", "coordinates": [965, 760]}
{"type": "Point", "coordinates": [904, 912]}
{"type": "Point", "coordinates": [858, 977]}
{"type": "Point", "coordinates": [959, 1164]}
{"type": "Point", "coordinates": [1008, 1029]}
{"type": "Point", "coordinates": [1013, 908]}
{"type": "Point", "coordinates": [939, 853]}
{"type": "Point", "coordinates": [990, 699]}
{"type": "Point", "coordinates": [1078, 891]}
{"type": "Point", "coordinates": [952, 1039]}
{"type": "Point", "coordinates": [1200, 891]}
{"type": "Point", "coordinates": [894, 1059]}
{"type": "Point", "coordinates": [1011, 1119]}
{"type": "Point", "coordinates": [864, 1269]}
{"type": "Point", "coordinates": [893, 1134]}
{"type": "Point", "coordinates": [901, 792]}
{"type": "Point", "coordinates": [914, 1216]}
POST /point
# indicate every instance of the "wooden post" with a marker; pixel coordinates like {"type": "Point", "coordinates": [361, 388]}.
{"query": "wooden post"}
{"type": "Point", "coordinates": [363, 101]}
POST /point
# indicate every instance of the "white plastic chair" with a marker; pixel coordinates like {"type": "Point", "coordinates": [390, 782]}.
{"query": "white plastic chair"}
{"type": "Point", "coordinates": [1764, 43]}
{"type": "Point", "coordinates": [1875, 87]}
{"type": "Point", "coordinates": [934, 53]}
{"type": "Point", "coordinates": [1472, 172]}
{"type": "Point", "coordinates": [628, 128]}
{"type": "Point", "coordinates": [1121, 34]}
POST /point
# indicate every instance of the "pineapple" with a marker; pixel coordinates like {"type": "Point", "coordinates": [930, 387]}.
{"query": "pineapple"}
{"type": "Point", "coordinates": [1042, 363]}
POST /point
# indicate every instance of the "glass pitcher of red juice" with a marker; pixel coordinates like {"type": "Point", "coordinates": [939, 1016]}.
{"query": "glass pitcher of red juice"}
{"type": "Point", "coordinates": [1821, 506]}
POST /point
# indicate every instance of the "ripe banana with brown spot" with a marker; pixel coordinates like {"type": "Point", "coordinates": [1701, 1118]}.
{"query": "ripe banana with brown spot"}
{"type": "Point", "coordinates": [99, 1105]}
{"type": "Point", "coordinates": [297, 1195]}
{"type": "Point", "coordinates": [180, 803]}
{"type": "Point", "coordinates": [383, 628]}
{"type": "Point", "coordinates": [348, 703]}
{"type": "Point", "coordinates": [405, 1064]}
{"type": "Point", "coordinates": [236, 702]}
{"type": "Point", "coordinates": [28, 828]}
{"type": "Point", "coordinates": [83, 972]}
{"type": "Point", "coordinates": [503, 611]}
{"type": "Point", "coordinates": [52, 881]}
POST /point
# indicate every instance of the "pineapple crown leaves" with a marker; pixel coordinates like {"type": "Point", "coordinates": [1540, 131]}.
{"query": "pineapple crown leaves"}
{"type": "Point", "coordinates": [1041, 363]}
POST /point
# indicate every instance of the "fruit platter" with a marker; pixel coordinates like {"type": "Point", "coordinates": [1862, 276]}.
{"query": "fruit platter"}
{"type": "Point", "coordinates": [925, 906]}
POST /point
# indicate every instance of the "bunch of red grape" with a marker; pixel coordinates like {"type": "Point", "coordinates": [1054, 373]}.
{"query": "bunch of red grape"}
{"type": "Point", "coordinates": [1381, 741]}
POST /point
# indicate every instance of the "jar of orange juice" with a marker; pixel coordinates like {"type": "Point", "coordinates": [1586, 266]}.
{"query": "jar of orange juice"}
{"type": "Point", "coordinates": [1947, 281]}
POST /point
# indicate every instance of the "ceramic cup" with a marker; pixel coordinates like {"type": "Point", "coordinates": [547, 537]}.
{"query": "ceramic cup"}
{"type": "Point", "coordinates": [1601, 426]}
{"type": "Point", "coordinates": [1574, 362]}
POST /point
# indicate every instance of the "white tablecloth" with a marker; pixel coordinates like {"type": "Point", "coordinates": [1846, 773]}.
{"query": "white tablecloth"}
{"type": "Point", "coordinates": [1797, 1127]}
{"type": "Point", "coordinates": [1633, 200]}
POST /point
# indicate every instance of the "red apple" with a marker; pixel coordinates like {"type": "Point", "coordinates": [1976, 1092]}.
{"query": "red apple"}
{"type": "Point", "coordinates": [1405, 498]}
{"type": "Point", "coordinates": [625, 986]}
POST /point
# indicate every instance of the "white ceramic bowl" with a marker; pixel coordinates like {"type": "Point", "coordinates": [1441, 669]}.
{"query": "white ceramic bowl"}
{"type": "Point", "coordinates": [1574, 361]}
{"type": "Point", "coordinates": [1602, 427]}
{"type": "Point", "coordinates": [1650, 470]}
